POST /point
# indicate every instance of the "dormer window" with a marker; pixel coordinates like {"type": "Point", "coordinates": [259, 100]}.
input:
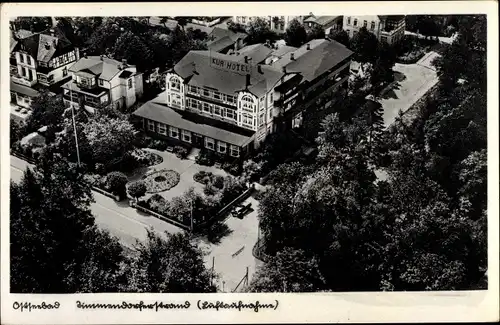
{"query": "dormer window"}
{"type": "Point", "coordinates": [101, 82]}
{"type": "Point", "coordinates": [86, 81]}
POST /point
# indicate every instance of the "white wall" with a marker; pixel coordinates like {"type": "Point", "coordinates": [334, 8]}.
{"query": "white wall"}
{"type": "Point", "coordinates": [240, 111]}
{"type": "Point", "coordinates": [174, 96]}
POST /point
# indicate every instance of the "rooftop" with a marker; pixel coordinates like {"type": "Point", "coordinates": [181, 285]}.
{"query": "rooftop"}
{"type": "Point", "coordinates": [105, 68]}
{"type": "Point", "coordinates": [321, 20]}
{"type": "Point", "coordinates": [257, 53]}
{"type": "Point", "coordinates": [73, 86]}
{"type": "Point", "coordinates": [323, 55]}
{"type": "Point", "coordinates": [203, 73]}
{"type": "Point", "coordinates": [27, 91]}
{"type": "Point", "coordinates": [42, 47]}
{"type": "Point", "coordinates": [158, 111]}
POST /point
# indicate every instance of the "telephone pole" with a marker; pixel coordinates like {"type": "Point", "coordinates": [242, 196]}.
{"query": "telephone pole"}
{"type": "Point", "coordinates": [74, 123]}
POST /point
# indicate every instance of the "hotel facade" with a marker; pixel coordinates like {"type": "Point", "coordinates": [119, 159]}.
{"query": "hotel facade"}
{"type": "Point", "coordinates": [230, 103]}
{"type": "Point", "coordinates": [388, 29]}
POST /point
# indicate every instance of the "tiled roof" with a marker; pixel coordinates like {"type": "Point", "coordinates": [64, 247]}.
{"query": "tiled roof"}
{"type": "Point", "coordinates": [322, 56]}
{"type": "Point", "coordinates": [220, 44]}
{"type": "Point", "coordinates": [106, 68]}
{"type": "Point", "coordinates": [227, 82]}
{"type": "Point", "coordinates": [257, 52]}
{"type": "Point", "coordinates": [282, 50]}
{"type": "Point", "coordinates": [158, 111]}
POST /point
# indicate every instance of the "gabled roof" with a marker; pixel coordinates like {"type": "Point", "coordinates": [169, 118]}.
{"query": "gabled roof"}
{"type": "Point", "coordinates": [282, 50]}
{"type": "Point", "coordinates": [322, 56]}
{"type": "Point", "coordinates": [219, 33]}
{"type": "Point", "coordinates": [105, 69]}
{"type": "Point", "coordinates": [220, 44]}
{"type": "Point", "coordinates": [42, 47]}
{"type": "Point", "coordinates": [227, 82]}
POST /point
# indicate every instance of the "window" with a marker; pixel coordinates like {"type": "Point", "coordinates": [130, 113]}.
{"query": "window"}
{"type": "Point", "coordinates": [355, 22]}
{"type": "Point", "coordinates": [348, 20]}
{"type": "Point", "coordinates": [104, 99]}
{"type": "Point", "coordinates": [372, 26]}
{"type": "Point", "coordinates": [175, 84]}
{"type": "Point", "coordinates": [221, 147]}
{"type": "Point", "coordinates": [193, 103]}
{"type": "Point", "coordinates": [193, 89]}
{"type": "Point", "coordinates": [151, 125]}
{"type": "Point", "coordinates": [174, 132]}
{"type": "Point", "coordinates": [206, 92]}
{"type": "Point", "coordinates": [231, 99]}
{"type": "Point", "coordinates": [186, 136]}
{"type": "Point", "coordinates": [270, 98]}
{"type": "Point", "coordinates": [21, 57]}
{"type": "Point", "coordinates": [130, 83]}
{"type": "Point", "coordinates": [207, 108]}
{"type": "Point", "coordinates": [217, 95]}
{"type": "Point", "coordinates": [209, 143]}
{"type": "Point", "coordinates": [247, 103]}
{"type": "Point", "coordinates": [234, 151]}
{"type": "Point", "coordinates": [261, 120]}
{"type": "Point", "coordinates": [162, 128]}
{"type": "Point", "coordinates": [230, 113]}
{"type": "Point", "coordinates": [365, 24]}
{"type": "Point", "coordinates": [101, 82]}
{"type": "Point", "coordinates": [218, 110]}
{"type": "Point", "coordinates": [28, 60]}
{"type": "Point", "coordinates": [247, 119]}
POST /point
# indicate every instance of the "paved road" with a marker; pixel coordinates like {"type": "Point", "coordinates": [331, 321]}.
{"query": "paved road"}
{"type": "Point", "coordinates": [118, 218]}
{"type": "Point", "coordinates": [416, 80]}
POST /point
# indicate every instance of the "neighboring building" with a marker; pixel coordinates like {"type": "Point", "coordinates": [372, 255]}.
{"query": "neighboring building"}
{"type": "Point", "coordinates": [21, 98]}
{"type": "Point", "coordinates": [278, 24]}
{"type": "Point", "coordinates": [327, 23]}
{"type": "Point", "coordinates": [230, 103]}
{"type": "Point", "coordinates": [101, 81]}
{"type": "Point", "coordinates": [388, 29]}
{"type": "Point", "coordinates": [223, 40]}
{"type": "Point", "coordinates": [41, 59]}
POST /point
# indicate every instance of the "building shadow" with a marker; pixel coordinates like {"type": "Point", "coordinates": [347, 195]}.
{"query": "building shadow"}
{"type": "Point", "coordinates": [217, 232]}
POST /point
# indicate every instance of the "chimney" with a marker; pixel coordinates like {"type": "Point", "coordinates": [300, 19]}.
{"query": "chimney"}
{"type": "Point", "coordinates": [292, 56]}
{"type": "Point", "coordinates": [284, 69]}
{"type": "Point", "coordinates": [259, 69]}
{"type": "Point", "coordinates": [237, 44]}
{"type": "Point", "coordinates": [102, 57]}
{"type": "Point", "coordinates": [124, 63]}
{"type": "Point", "coordinates": [85, 55]}
{"type": "Point", "coordinates": [246, 59]}
{"type": "Point", "coordinates": [308, 46]}
{"type": "Point", "coordinates": [47, 46]}
{"type": "Point", "coordinates": [54, 42]}
{"type": "Point", "coordinates": [51, 32]}
{"type": "Point", "coordinates": [194, 68]}
{"type": "Point", "coordinates": [247, 80]}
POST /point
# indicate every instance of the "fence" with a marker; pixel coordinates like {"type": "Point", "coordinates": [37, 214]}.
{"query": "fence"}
{"type": "Point", "coordinates": [106, 193]}
{"type": "Point", "coordinates": [162, 217]}
{"type": "Point", "coordinates": [22, 157]}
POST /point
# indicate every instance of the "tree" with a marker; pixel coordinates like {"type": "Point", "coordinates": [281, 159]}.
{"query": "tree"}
{"type": "Point", "coordinates": [365, 45]}
{"type": "Point", "coordinates": [259, 31]}
{"type": "Point", "coordinates": [340, 36]}
{"type": "Point", "coordinates": [290, 271]}
{"type": "Point", "coordinates": [382, 68]}
{"type": "Point", "coordinates": [116, 182]}
{"type": "Point", "coordinates": [132, 48]}
{"type": "Point", "coordinates": [173, 265]}
{"type": "Point", "coordinates": [109, 138]}
{"type": "Point", "coordinates": [182, 21]}
{"type": "Point", "coordinates": [33, 24]}
{"type": "Point", "coordinates": [47, 111]}
{"type": "Point", "coordinates": [295, 34]}
{"type": "Point", "coordinates": [236, 27]}
{"type": "Point", "coordinates": [53, 235]}
{"type": "Point", "coordinates": [251, 170]}
{"type": "Point", "coordinates": [317, 32]}
{"type": "Point", "coordinates": [137, 189]}
{"type": "Point", "coordinates": [466, 57]}
{"type": "Point", "coordinates": [84, 27]}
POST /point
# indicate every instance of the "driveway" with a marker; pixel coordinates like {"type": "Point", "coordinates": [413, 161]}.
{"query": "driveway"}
{"type": "Point", "coordinates": [233, 254]}
{"type": "Point", "coordinates": [412, 82]}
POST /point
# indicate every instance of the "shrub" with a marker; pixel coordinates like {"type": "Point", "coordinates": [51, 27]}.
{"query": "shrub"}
{"type": "Point", "coordinates": [142, 141]}
{"type": "Point", "coordinates": [198, 177]}
{"type": "Point", "coordinates": [116, 182]}
{"type": "Point", "coordinates": [181, 152]}
{"type": "Point", "coordinates": [137, 189]}
{"type": "Point", "coordinates": [206, 158]}
{"type": "Point", "coordinates": [218, 181]}
{"type": "Point", "coordinates": [159, 145]}
{"type": "Point", "coordinates": [209, 189]}
{"type": "Point", "coordinates": [100, 169]}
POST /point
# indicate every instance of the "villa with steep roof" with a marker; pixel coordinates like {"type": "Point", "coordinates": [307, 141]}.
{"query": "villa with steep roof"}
{"type": "Point", "coordinates": [229, 103]}
{"type": "Point", "coordinates": [98, 81]}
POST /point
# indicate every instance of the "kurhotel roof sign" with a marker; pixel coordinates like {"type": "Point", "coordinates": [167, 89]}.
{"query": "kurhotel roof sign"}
{"type": "Point", "coordinates": [227, 73]}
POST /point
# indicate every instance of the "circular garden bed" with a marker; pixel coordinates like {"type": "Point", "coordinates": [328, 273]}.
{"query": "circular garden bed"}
{"type": "Point", "coordinates": [161, 180]}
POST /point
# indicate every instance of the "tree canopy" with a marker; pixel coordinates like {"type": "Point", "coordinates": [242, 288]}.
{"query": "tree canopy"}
{"type": "Point", "coordinates": [296, 34]}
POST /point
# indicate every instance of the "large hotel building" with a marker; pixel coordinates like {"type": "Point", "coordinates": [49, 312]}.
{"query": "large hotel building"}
{"type": "Point", "coordinates": [229, 103]}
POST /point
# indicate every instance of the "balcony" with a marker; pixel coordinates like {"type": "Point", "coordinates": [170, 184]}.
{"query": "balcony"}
{"type": "Point", "coordinates": [45, 80]}
{"type": "Point", "coordinates": [22, 81]}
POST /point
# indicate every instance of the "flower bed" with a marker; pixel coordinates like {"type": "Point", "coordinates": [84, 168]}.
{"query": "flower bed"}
{"type": "Point", "coordinates": [161, 180]}
{"type": "Point", "coordinates": [206, 178]}
{"type": "Point", "coordinates": [147, 158]}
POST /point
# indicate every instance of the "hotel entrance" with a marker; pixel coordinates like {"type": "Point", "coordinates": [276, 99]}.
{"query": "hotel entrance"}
{"type": "Point", "coordinates": [198, 140]}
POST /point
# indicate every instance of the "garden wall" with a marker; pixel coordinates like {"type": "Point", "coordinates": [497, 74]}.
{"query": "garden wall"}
{"type": "Point", "coordinates": [162, 217]}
